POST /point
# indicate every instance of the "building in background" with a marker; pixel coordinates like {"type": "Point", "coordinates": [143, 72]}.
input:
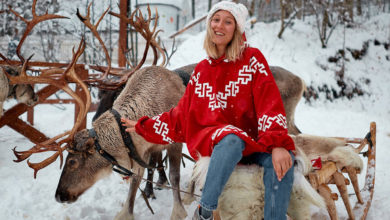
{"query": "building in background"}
{"type": "Point", "coordinates": [173, 14]}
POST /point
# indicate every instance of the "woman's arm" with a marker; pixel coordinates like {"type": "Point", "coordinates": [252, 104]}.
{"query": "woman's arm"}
{"type": "Point", "coordinates": [272, 126]}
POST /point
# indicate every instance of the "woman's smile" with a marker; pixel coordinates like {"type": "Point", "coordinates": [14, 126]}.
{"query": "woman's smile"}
{"type": "Point", "coordinates": [223, 25]}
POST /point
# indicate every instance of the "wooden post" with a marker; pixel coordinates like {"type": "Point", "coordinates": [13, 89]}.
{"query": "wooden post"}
{"type": "Point", "coordinates": [30, 116]}
{"type": "Point", "coordinates": [122, 46]}
{"type": "Point", "coordinates": [83, 74]}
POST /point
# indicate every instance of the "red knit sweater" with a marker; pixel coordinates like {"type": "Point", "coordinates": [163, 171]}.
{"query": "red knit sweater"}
{"type": "Point", "coordinates": [224, 97]}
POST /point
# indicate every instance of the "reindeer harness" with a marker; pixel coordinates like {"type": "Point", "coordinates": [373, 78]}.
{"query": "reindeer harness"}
{"type": "Point", "coordinates": [133, 154]}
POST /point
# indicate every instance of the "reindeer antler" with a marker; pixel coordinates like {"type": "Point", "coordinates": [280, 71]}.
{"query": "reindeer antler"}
{"type": "Point", "coordinates": [30, 24]}
{"type": "Point", "coordinates": [142, 26]}
{"type": "Point", "coordinates": [144, 32]}
{"type": "Point", "coordinates": [60, 80]}
{"type": "Point", "coordinates": [87, 22]}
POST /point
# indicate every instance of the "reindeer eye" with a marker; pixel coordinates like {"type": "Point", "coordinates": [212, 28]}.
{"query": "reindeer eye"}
{"type": "Point", "coordinates": [72, 163]}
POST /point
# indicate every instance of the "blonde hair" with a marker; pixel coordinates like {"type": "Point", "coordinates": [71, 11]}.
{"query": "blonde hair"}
{"type": "Point", "coordinates": [233, 50]}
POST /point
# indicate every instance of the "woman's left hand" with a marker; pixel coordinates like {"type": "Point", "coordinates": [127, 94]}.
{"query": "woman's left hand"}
{"type": "Point", "coordinates": [130, 124]}
{"type": "Point", "coordinates": [282, 161]}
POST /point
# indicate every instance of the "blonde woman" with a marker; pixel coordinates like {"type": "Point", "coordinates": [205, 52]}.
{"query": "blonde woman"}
{"type": "Point", "coordinates": [231, 111]}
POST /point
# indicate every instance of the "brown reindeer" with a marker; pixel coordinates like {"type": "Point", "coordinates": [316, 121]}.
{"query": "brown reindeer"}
{"type": "Point", "coordinates": [107, 98]}
{"type": "Point", "coordinates": [150, 91]}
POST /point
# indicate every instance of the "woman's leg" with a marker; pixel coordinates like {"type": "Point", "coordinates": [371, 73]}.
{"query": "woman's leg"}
{"type": "Point", "coordinates": [277, 194]}
{"type": "Point", "coordinates": [226, 154]}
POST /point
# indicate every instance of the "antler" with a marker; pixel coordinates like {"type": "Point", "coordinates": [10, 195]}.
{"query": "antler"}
{"type": "Point", "coordinates": [173, 51]}
{"type": "Point", "coordinates": [60, 79]}
{"type": "Point", "coordinates": [144, 32]}
{"type": "Point", "coordinates": [142, 26]}
{"type": "Point", "coordinates": [87, 22]}
{"type": "Point", "coordinates": [30, 24]}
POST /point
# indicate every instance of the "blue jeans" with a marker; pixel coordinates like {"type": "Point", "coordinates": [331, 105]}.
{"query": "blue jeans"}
{"type": "Point", "coordinates": [226, 154]}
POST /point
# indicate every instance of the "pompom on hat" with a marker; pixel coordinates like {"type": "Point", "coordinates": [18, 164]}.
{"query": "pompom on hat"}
{"type": "Point", "coordinates": [239, 12]}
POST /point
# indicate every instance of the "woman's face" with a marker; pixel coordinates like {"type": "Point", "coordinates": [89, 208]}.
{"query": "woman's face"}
{"type": "Point", "coordinates": [222, 26]}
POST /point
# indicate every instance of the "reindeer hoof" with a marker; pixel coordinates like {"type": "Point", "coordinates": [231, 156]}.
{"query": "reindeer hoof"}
{"type": "Point", "coordinates": [161, 182]}
{"type": "Point", "coordinates": [178, 213]}
{"type": "Point", "coordinates": [149, 192]}
{"type": "Point", "coordinates": [127, 216]}
{"type": "Point", "coordinates": [124, 214]}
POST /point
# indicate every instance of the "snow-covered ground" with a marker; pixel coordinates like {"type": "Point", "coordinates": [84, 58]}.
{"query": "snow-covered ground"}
{"type": "Point", "coordinates": [22, 197]}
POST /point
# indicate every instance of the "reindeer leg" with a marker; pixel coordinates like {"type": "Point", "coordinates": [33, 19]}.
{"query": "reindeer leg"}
{"type": "Point", "coordinates": [189, 197]}
{"type": "Point", "coordinates": [149, 185]}
{"type": "Point", "coordinates": [162, 177]}
{"type": "Point", "coordinates": [127, 213]}
{"type": "Point", "coordinates": [1, 109]}
{"type": "Point", "coordinates": [174, 154]}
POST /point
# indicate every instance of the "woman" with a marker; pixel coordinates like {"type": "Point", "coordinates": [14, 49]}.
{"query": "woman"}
{"type": "Point", "coordinates": [231, 111]}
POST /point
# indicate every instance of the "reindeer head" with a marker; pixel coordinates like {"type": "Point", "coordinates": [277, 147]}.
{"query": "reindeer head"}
{"type": "Point", "coordinates": [23, 93]}
{"type": "Point", "coordinates": [83, 167]}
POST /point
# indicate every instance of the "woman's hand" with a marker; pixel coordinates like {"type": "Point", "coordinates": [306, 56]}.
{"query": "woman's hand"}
{"type": "Point", "coordinates": [130, 124]}
{"type": "Point", "coordinates": [281, 159]}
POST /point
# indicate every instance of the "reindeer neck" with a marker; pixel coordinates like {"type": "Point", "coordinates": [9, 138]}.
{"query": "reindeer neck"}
{"type": "Point", "coordinates": [108, 132]}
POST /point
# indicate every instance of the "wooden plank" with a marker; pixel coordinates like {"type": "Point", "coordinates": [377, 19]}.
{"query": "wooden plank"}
{"type": "Point", "coordinates": [28, 131]}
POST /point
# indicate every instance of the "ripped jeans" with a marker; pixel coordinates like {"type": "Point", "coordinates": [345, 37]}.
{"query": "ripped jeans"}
{"type": "Point", "coordinates": [226, 154]}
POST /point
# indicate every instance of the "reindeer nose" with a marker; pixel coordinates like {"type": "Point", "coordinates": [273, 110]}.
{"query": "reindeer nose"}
{"type": "Point", "coordinates": [65, 197]}
{"type": "Point", "coordinates": [60, 198]}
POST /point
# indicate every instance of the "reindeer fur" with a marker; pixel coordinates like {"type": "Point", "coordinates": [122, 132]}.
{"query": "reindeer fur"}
{"type": "Point", "coordinates": [24, 93]}
{"type": "Point", "coordinates": [150, 91]}
{"type": "Point", "coordinates": [243, 195]}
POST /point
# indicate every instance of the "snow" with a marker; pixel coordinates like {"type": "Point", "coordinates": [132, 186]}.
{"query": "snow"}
{"type": "Point", "coordinates": [299, 51]}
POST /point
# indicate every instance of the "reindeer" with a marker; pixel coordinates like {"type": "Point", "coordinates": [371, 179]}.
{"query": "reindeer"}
{"type": "Point", "coordinates": [107, 98]}
{"type": "Point", "coordinates": [146, 93]}
{"type": "Point", "coordinates": [23, 93]}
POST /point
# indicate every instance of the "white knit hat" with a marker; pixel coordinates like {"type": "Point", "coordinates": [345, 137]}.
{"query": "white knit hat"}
{"type": "Point", "coordinates": [239, 11]}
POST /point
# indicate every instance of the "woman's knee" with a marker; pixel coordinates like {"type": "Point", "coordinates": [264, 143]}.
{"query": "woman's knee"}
{"type": "Point", "coordinates": [231, 142]}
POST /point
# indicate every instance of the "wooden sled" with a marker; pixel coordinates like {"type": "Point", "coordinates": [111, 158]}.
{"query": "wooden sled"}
{"type": "Point", "coordinates": [330, 174]}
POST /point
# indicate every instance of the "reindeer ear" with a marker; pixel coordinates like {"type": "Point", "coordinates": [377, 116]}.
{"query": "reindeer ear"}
{"type": "Point", "coordinates": [90, 145]}
{"type": "Point", "coordinates": [80, 140]}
